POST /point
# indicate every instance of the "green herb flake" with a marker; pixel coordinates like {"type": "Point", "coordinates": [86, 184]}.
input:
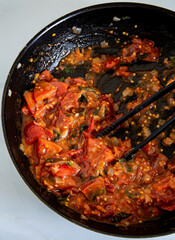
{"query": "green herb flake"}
{"type": "Point", "coordinates": [61, 199]}
{"type": "Point", "coordinates": [82, 111]}
{"type": "Point", "coordinates": [90, 89]}
{"type": "Point", "coordinates": [73, 135]}
{"type": "Point", "coordinates": [56, 132]}
{"type": "Point", "coordinates": [92, 177]}
{"type": "Point", "coordinates": [49, 160]}
{"type": "Point", "coordinates": [126, 18]}
{"type": "Point", "coordinates": [130, 195]}
{"type": "Point", "coordinates": [141, 95]}
{"type": "Point", "coordinates": [83, 127]}
{"type": "Point", "coordinates": [56, 139]}
{"type": "Point", "coordinates": [57, 136]}
{"type": "Point", "coordinates": [69, 69]}
{"type": "Point", "coordinates": [96, 112]}
{"type": "Point", "coordinates": [61, 79]}
{"type": "Point", "coordinates": [69, 163]}
{"type": "Point", "coordinates": [141, 85]}
{"type": "Point", "coordinates": [82, 177]}
{"type": "Point", "coordinates": [121, 160]}
{"type": "Point", "coordinates": [172, 61]}
{"type": "Point", "coordinates": [131, 159]}
{"type": "Point", "coordinates": [67, 114]}
{"type": "Point", "coordinates": [129, 168]}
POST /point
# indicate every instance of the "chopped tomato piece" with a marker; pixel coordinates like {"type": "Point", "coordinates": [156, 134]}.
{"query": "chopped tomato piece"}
{"type": "Point", "coordinates": [153, 56]}
{"type": "Point", "coordinates": [44, 90]}
{"type": "Point", "coordinates": [70, 101]}
{"type": "Point", "coordinates": [71, 153]}
{"type": "Point", "coordinates": [141, 96]}
{"type": "Point", "coordinates": [45, 76]}
{"type": "Point", "coordinates": [152, 52]}
{"type": "Point", "coordinates": [76, 81]}
{"type": "Point", "coordinates": [107, 199]}
{"type": "Point", "coordinates": [80, 80]}
{"type": "Point", "coordinates": [109, 103]}
{"type": "Point", "coordinates": [41, 111]}
{"type": "Point", "coordinates": [111, 62]}
{"type": "Point", "coordinates": [63, 121]}
{"type": "Point", "coordinates": [47, 149]}
{"type": "Point", "coordinates": [142, 47]}
{"type": "Point", "coordinates": [130, 53]}
{"type": "Point", "coordinates": [25, 110]}
{"type": "Point", "coordinates": [77, 201]}
{"type": "Point", "coordinates": [96, 149]}
{"type": "Point", "coordinates": [124, 147]}
{"type": "Point", "coordinates": [94, 188]}
{"type": "Point", "coordinates": [151, 148]}
{"type": "Point", "coordinates": [109, 186]}
{"type": "Point", "coordinates": [118, 152]}
{"type": "Point", "coordinates": [91, 126]}
{"type": "Point", "coordinates": [49, 133]}
{"type": "Point", "coordinates": [29, 97]}
{"type": "Point", "coordinates": [64, 170]}
{"type": "Point", "coordinates": [159, 162]}
{"type": "Point", "coordinates": [61, 87]}
{"type": "Point", "coordinates": [110, 210]}
{"type": "Point", "coordinates": [122, 72]}
{"type": "Point", "coordinates": [32, 132]}
{"type": "Point", "coordinates": [164, 192]}
{"type": "Point", "coordinates": [64, 183]}
{"type": "Point", "coordinates": [170, 206]}
{"type": "Point", "coordinates": [98, 154]}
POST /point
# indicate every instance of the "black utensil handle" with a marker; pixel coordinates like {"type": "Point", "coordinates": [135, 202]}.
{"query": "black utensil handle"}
{"type": "Point", "coordinates": [148, 139]}
{"type": "Point", "coordinates": [137, 109]}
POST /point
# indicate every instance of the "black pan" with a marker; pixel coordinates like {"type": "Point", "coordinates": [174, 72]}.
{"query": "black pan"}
{"type": "Point", "coordinates": [45, 50]}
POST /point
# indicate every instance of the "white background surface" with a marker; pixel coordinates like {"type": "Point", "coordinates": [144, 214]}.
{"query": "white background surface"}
{"type": "Point", "coordinates": [22, 215]}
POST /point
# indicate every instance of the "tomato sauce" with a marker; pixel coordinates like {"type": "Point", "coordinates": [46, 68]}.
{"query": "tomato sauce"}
{"type": "Point", "coordinates": [61, 117]}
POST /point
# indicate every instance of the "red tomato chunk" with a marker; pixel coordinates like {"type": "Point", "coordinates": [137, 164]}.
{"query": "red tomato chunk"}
{"type": "Point", "coordinates": [32, 132]}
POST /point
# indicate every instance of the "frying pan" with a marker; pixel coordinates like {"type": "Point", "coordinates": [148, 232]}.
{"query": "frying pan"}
{"type": "Point", "coordinates": [45, 51]}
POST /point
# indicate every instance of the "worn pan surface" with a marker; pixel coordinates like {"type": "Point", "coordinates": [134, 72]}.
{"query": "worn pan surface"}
{"type": "Point", "coordinates": [46, 49]}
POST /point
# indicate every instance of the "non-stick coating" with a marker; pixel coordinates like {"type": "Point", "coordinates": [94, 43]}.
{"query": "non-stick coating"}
{"type": "Point", "coordinates": [45, 50]}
